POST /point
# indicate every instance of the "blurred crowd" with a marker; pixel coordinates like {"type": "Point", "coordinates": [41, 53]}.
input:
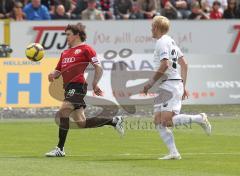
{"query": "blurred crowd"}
{"type": "Point", "coordinates": [118, 9]}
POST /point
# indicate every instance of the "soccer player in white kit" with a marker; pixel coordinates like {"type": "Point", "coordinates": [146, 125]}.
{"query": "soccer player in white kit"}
{"type": "Point", "coordinates": [171, 68]}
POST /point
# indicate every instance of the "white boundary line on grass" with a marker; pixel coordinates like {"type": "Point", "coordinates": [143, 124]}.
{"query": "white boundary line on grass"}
{"type": "Point", "coordinates": [127, 154]}
{"type": "Point", "coordinates": [148, 154]}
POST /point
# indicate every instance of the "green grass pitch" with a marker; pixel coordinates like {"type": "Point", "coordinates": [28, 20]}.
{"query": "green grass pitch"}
{"type": "Point", "coordinates": [101, 152]}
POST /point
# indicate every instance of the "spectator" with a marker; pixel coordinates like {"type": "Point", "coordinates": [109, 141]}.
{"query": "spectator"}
{"type": "Point", "coordinates": [67, 5]}
{"type": "Point", "coordinates": [206, 8]}
{"type": "Point", "coordinates": [148, 8]}
{"type": "Point", "coordinates": [24, 2]}
{"type": "Point", "coordinates": [159, 5]}
{"type": "Point", "coordinates": [197, 12]}
{"type": "Point", "coordinates": [222, 2]}
{"type": "Point", "coordinates": [74, 2]}
{"type": "Point", "coordinates": [17, 12]}
{"type": "Point", "coordinates": [92, 13]}
{"type": "Point", "coordinates": [80, 6]}
{"type": "Point", "coordinates": [59, 13]}
{"type": "Point", "coordinates": [122, 9]}
{"type": "Point", "coordinates": [36, 11]}
{"type": "Point", "coordinates": [6, 7]}
{"type": "Point", "coordinates": [216, 13]}
{"type": "Point", "coordinates": [231, 11]}
{"type": "Point", "coordinates": [105, 6]}
{"type": "Point", "coordinates": [169, 11]}
{"type": "Point", "coordinates": [136, 12]}
{"type": "Point", "coordinates": [49, 4]}
{"type": "Point", "coordinates": [183, 6]}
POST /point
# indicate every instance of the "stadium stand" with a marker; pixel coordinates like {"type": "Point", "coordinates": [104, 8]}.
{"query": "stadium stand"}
{"type": "Point", "coordinates": [119, 9]}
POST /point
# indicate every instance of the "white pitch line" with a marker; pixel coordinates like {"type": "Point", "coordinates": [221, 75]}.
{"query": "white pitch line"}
{"type": "Point", "coordinates": [127, 154]}
{"type": "Point", "coordinates": [148, 154]}
{"type": "Point", "coordinates": [216, 153]}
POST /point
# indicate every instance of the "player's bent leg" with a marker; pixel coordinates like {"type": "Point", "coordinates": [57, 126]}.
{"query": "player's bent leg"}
{"type": "Point", "coordinates": [94, 122]}
{"type": "Point", "coordinates": [116, 122]}
{"type": "Point", "coordinates": [79, 118]}
{"type": "Point", "coordinates": [200, 119]}
{"type": "Point", "coordinates": [185, 119]}
{"type": "Point", "coordinates": [166, 118]}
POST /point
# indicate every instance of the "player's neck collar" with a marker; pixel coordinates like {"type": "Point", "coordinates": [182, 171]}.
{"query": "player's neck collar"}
{"type": "Point", "coordinates": [82, 43]}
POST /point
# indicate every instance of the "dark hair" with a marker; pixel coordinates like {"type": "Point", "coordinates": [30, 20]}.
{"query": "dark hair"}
{"type": "Point", "coordinates": [216, 3]}
{"type": "Point", "coordinates": [229, 1]}
{"type": "Point", "coordinates": [77, 29]}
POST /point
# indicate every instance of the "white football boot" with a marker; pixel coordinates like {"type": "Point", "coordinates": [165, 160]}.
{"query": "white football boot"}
{"type": "Point", "coordinates": [56, 153]}
{"type": "Point", "coordinates": [119, 124]}
{"type": "Point", "coordinates": [206, 124]}
{"type": "Point", "coordinates": [171, 156]}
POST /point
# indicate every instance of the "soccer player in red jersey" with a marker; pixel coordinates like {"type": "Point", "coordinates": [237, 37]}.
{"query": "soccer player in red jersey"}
{"type": "Point", "coordinates": [71, 67]}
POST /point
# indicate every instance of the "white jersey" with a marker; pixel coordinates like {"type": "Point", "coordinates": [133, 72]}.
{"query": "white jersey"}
{"type": "Point", "coordinates": [166, 48]}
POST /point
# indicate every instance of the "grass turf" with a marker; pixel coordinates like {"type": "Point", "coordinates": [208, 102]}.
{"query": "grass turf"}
{"type": "Point", "coordinates": [102, 152]}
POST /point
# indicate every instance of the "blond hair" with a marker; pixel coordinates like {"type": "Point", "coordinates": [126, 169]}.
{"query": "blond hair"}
{"type": "Point", "coordinates": [161, 23]}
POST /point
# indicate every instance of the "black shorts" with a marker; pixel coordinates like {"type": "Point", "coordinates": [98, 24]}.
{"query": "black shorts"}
{"type": "Point", "coordinates": [74, 93]}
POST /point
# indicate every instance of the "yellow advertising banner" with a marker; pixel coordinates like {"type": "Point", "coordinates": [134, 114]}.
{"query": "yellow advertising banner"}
{"type": "Point", "coordinates": [24, 83]}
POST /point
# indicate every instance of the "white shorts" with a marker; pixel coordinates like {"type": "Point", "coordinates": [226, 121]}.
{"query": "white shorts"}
{"type": "Point", "coordinates": [169, 97]}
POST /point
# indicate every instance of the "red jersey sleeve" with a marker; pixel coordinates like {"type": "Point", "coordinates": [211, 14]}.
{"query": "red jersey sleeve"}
{"type": "Point", "coordinates": [92, 56]}
{"type": "Point", "coordinates": [59, 65]}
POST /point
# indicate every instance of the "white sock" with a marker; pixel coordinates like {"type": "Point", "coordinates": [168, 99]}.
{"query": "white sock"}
{"type": "Point", "coordinates": [184, 119]}
{"type": "Point", "coordinates": [168, 138]}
